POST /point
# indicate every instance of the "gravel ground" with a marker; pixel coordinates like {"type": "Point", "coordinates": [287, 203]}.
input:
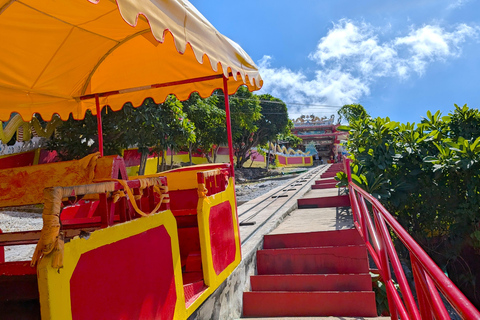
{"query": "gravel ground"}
{"type": "Point", "coordinates": [251, 190]}
{"type": "Point", "coordinates": [251, 183]}
{"type": "Point", "coordinates": [11, 221]}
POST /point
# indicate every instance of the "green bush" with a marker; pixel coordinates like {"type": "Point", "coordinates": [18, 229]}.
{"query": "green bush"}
{"type": "Point", "coordinates": [428, 177]}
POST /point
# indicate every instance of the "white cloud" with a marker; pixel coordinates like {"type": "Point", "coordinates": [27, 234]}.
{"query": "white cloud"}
{"type": "Point", "coordinates": [457, 4]}
{"type": "Point", "coordinates": [351, 57]}
{"type": "Point", "coordinates": [431, 43]}
{"type": "Point", "coordinates": [329, 87]}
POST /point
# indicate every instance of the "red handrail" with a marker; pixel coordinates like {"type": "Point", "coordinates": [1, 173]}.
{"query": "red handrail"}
{"type": "Point", "coordinates": [428, 277]}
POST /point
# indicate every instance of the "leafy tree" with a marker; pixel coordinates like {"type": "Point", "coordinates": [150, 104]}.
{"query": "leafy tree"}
{"type": "Point", "coordinates": [138, 124]}
{"type": "Point", "coordinates": [210, 126]}
{"type": "Point", "coordinates": [274, 119]}
{"type": "Point", "coordinates": [172, 129]}
{"type": "Point", "coordinates": [153, 128]}
{"type": "Point", "coordinates": [351, 112]}
{"type": "Point", "coordinates": [245, 111]}
{"type": "Point", "coordinates": [288, 137]}
{"type": "Point", "coordinates": [75, 139]}
{"type": "Point", "coordinates": [255, 121]}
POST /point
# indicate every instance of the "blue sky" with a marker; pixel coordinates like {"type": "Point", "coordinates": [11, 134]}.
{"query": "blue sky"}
{"type": "Point", "coordinates": [397, 58]}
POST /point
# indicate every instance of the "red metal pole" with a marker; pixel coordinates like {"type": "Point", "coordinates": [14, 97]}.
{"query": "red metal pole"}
{"type": "Point", "coordinates": [2, 251]}
{"type": "Point", "coordinates": [229, 125]}
{"type": "Point", "coordinates": [99, 125]}
{"type": "Point", "coordinates": [348, 170]}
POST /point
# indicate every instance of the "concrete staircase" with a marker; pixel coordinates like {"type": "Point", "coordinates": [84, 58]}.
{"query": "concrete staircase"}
{"type": "Point", "coordinates": [312, 274]}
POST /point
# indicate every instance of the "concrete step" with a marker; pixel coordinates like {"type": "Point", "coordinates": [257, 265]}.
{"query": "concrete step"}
{"type": "Point", "coordinates": [329, 174]}
{"type": "Point", "coordinates": [314, 282]}
{"type": "Point", "coordinates": [324, 185]}
{"type": "Point", "coordinates": [323, 181]}
{"type": "Point", "coordinates": [303, 304]}
{"type": "Point", "coordinates": [312, 239]}
{"type": "Point", "coordinates": [322, 260]}
{"type": "Point", "coordinates": [324, 202]}
{"type": "Point", "coordinates": [336, 167]}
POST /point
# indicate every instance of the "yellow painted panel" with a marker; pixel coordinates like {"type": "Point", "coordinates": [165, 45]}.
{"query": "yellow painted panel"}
{"type": "Point", "coordinates": [54, 285]}
{"type": "Point", "coordinates": [212, 280]}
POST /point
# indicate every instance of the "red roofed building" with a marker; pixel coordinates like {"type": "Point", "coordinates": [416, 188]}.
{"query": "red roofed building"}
{"type": "Point", "coordinates": [322, 134]}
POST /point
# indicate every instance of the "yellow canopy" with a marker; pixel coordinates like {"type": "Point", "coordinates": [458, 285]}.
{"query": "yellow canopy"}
{"type": "Point", "coordinates": [56, 55]}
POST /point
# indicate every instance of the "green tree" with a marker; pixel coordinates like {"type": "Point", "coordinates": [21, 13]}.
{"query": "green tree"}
{"type": "Point", "coordinates": [351, 112]}
{"type": "Point", "coordinates": [172, 130]}
{"type": "Point", "coordinates": [286, 136]}
{"type": "Point", "coordinates": [153, 128]}
{"type": "Point", "coordinates": [75, 139]}
{"type": "Point", "coordinates": [274, 119]}
{"type": "Point", "coordinates": [245, 111]}
{"type": "Point", "coordinates": [210, 126]}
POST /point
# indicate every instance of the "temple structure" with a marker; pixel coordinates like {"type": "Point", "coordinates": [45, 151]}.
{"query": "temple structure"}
{"type": "Point", "coordinates": [321, 135]}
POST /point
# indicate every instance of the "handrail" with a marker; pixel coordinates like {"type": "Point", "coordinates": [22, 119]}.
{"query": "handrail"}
{"type": "Point", "coordinates": [428, 277]}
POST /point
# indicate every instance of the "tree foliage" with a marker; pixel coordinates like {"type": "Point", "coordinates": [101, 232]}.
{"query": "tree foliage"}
{"type": "Point", "coordinates": [288, 137]}
{"type": "Point", "coordinates": [75, 139]}
{"type": "Point", "coordinates": [274, 119]}
{"type": "Point", "coordinates": [168, 124]}
{"type": "Point", "coordinates": [197, 124]}
{"type": "Point", "coordinates": [351, 112]}
{"type": "Point", "coordinates": [245, 111]}
{"type": "Point", "coordinates": [210, 127]}
{"type": "Point", "coordinates": [150, 127]}
{"type": "Point", "coordinates": [255, 121]}
{"type": "Point", "coordinates": [428, 176]}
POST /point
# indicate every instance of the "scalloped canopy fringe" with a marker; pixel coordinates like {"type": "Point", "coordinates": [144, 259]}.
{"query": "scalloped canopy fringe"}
{"type": "Point", "coordinates": [54, 53]}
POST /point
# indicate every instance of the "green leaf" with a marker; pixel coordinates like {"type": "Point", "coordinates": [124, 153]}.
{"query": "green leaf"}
{"type": "Point", "coordinates": [343, 128]}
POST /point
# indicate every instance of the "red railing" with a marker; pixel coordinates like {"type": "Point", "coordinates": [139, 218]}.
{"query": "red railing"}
{"type": "Point", "coordinates": [428, 277]}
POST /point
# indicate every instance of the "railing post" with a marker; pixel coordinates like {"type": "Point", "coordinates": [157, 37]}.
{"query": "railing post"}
{"type": "Point", "coordinates": [429, 300]}
{"type": "Point", "coordinates": [385, 266]}
{"type": "Point", "coordinates": [420, 287]}
{"type": "Point", "coordinates": [348, 170]}
{"type": "Point", "coordinates": [353, 204]}
{"type": "Point", "coordinates": [364, 210]}
{"type": "Point", "coordinates": [397, 268]}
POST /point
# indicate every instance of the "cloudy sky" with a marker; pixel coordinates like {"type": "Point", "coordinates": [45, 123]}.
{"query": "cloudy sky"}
{"type": "Point", "coordinates": [396, 58]}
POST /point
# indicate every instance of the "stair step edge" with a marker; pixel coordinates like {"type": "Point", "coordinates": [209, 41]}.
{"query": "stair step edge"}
{"type": "Point", "coordinates": [318, 247]}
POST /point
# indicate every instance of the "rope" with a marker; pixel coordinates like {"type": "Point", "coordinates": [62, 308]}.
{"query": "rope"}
{"type": "Point", "coordinates": [52, 238]}
{"type": "Point", "coordinates": [145, 183]}
{"type": "Point", "coordinates": [202, 190]}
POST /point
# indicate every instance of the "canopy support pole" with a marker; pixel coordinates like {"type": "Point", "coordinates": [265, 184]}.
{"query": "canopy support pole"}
{"type": "Point", "coordinates": [229, 125]}
{"type": "Point", "coordinates": [99, 125]}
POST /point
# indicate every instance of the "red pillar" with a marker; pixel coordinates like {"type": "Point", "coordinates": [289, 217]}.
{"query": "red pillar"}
{"type": "Point", "coordinates": [229, 125]}
{"type": "Point", "coordinates": [99, 125]}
